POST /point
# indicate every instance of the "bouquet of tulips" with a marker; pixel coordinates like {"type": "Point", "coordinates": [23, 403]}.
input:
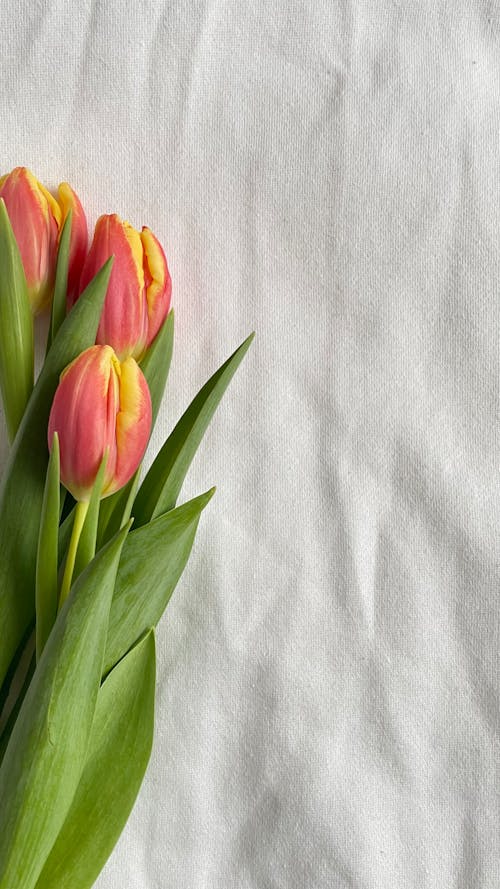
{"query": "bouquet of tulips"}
{"type": "Point", "coordinates": [89, 552]}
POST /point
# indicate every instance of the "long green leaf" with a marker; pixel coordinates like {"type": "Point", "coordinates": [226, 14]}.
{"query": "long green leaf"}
{"type": "Point", "coordinates": [16, 328]}
{"type": "Point", "coordinates": [58, 312]}
{"type": "Point", "coordinates": [46, 752]}
{"type": "Point", "coordinates": [110, 522]}
{"type": "Point", "coordinates": [152, 562]}
{"type": "Point", "coordinates": [156, 363]}
{"type": "Point", "coordinates": [161, 486]}
{"type": "Point", "coordinates": [9, 682]}
{"type": "Point", "coordinates": [119, 749]}
{"type": "Point", "coordinates": [46, 590]}
{"type": "Point", "coordinates": [21, 694]}
{"type": "Point", "coordinates": [21, 492]}
{"type": "Point", "coordinates": [113, 509]}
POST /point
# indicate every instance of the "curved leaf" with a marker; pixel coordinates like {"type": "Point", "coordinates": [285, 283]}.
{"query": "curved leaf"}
{"type": "Point", "coordinates": [161, 486]}
{"type": "Point", "coordinates": [14, 713]}
{"type": "Point", "coordinates": [152, 562]}
{"type": "Point", "coordinates": [118, 753]}
{"type": "Point", "coordinates": [46, 752]}
{"type": "Point", "coordinates": [156, 363]}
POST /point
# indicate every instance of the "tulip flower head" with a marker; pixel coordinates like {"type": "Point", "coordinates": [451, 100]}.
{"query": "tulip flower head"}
{"type": "Point", "coordinates": [102, 406]}
{"type": "Point", "coordinates": [37, 219]}
{"type": "Point", "coordinates": [139, 290]}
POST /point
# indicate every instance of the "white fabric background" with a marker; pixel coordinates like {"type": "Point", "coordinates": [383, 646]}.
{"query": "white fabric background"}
{"type": "Point", "coordinates": [326, 172]}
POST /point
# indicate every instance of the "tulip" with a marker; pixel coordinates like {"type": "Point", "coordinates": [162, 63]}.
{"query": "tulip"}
{"type": "Point", "coordinates": [78, 244]}
{"type": "Point", "coordinates": [37, 219]}
{"type": "Point", "coordinates": [101, 413]}
{"type": "Point", "coordinates": [102, 406]}
{"type": "Point", "coordinates": [139, 290]}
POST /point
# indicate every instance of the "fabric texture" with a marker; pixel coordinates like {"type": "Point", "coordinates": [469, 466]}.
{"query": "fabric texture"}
{"type": "Point", "coordinates": [326, 172]}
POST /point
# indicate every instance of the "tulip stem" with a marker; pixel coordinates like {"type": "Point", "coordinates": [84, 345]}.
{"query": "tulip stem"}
{"type": "Point", "coordinates": [78, 522]}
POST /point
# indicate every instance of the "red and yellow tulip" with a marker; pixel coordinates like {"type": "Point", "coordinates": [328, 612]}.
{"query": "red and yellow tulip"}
{"type": "Point", "coordinates": [102, 406]}
{"type": "Point", "coordinates": [139, 290]}
{"type": "Point", "coordinates": [37, 219]}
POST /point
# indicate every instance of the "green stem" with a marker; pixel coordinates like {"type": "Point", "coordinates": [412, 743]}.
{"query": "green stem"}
{"type": "Point", "coordinates": [80, 513]}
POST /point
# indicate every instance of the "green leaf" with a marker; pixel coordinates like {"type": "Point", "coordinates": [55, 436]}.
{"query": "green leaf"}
{"type": "Point", "coordinates": [156, 363]}
{"type": "Point", "coordinates": [119, 750]}
{"type": "Point", "coordinates": [16, 328]}
{"type": "Point", "coordinates": [21, 492]}
{"type": "Point", "coordinates": [21, 694]}
{"type": "Point", "coordinates": [46, 590]}
{"type": "Point", "coordinates": [161, 486]}
{"type": "Point", "coordinates": [9, 681]}
{"type": "Point", "coordinates": [47, 749]}
{"type": "Point", "coordinates": [113, 515]}
{"type": "Point", "coordinates": [58, 312]}
{"type": "Point", "coordinates": [155, 367]}
{"type": "Point", "coordinates": [152, 562]}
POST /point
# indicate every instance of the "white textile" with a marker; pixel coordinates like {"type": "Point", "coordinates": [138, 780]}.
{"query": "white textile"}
{"type": "Point", "coordinates": [328, 173]}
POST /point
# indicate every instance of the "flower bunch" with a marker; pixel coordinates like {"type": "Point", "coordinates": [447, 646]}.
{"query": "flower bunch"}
{"type": "Point", "coordinates": [91, 552]}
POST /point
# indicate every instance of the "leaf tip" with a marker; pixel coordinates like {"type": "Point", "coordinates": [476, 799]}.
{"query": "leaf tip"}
{"type": "Point", "coordinates": [244, 347]}
{"type": "Point", "coordinates": [209, 494]}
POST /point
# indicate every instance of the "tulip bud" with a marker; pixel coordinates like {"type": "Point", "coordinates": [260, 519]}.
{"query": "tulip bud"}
{"type": "Point", "coordinates": [78, 244]}
{"type": "Point", "coordinates": [139, 290]}
{"type": "Point", "coordinates": [101, 406]}
{"type": "Point", "coordinates": [36, 218]}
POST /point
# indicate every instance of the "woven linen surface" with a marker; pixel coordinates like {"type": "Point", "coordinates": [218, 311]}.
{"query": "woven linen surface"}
{"type": "Point", "coordinates": [326, 172]}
